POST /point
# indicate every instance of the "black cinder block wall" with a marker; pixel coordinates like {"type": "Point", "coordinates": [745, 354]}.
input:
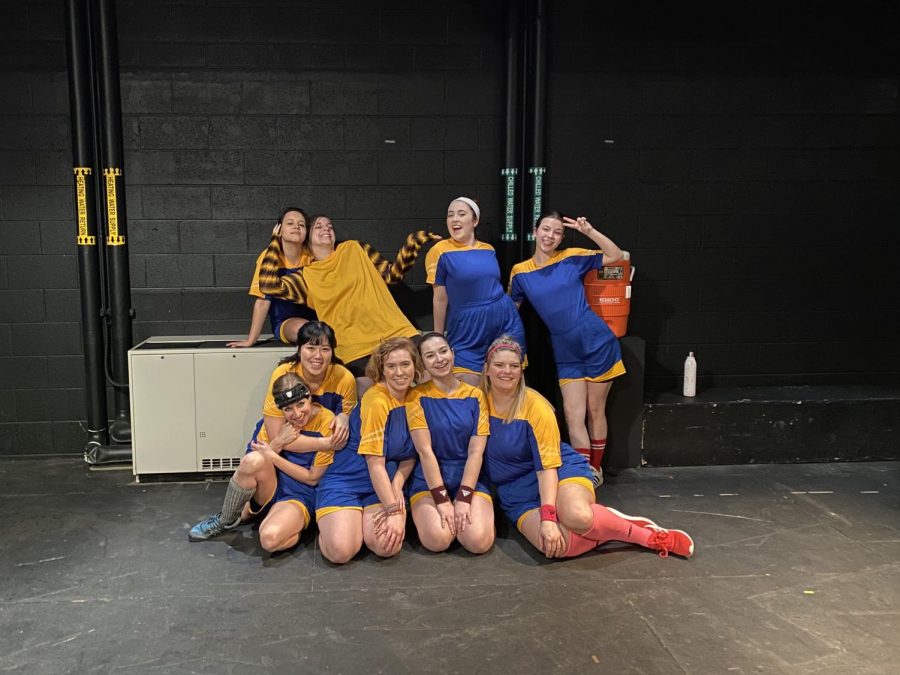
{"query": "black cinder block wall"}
{"type": "Point", "coordinates": [748, 155]}
{"type": "Point", "coordinates": [376, 113]}
{"type": "Point", "coordinates": [749, 162]}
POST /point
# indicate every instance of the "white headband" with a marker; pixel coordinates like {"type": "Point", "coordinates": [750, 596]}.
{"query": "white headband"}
{"type": "Point", "coordinates": [471, 203]}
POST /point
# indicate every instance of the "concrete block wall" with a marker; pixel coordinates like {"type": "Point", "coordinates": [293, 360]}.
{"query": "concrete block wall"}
{"type": "Point", "coordinates": [750, 161]}
{"type": "Point", "coordinates": [376, 113]}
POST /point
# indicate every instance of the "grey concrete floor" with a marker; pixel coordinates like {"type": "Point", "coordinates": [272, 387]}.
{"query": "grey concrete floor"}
{"type": "Point", "coordinates": [796, 571]}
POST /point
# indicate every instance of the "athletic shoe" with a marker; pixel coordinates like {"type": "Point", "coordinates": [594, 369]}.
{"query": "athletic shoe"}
{"type": "Point", "coordinates": [596, 477]}
{"type": "Point", "coordinates": [640, 521]}
{"type": "Point", "coordinates": [674, 541]}
{"type": "Point", "coordinates": [211, 527]}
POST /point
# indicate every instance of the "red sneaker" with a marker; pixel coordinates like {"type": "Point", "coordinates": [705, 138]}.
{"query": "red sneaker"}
{"type": "Point", "coordinates": [640, 521]}
{"type": "Point", "coordinates": [671, 541]}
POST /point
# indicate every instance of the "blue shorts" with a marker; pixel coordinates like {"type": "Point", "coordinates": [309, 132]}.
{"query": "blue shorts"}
{"type": "Point", "coordinates": [520, 496]}
{"type": "Point", "coordinates": [349, 490]}
{"type": "Point", "coordinates": [471, 330]}
{"type": "Point", "coordinates": [287, 490]}
{"type": "Point", "coordinates": [590, 352]}
{"type": "Point", "coordinates": [452, 473]}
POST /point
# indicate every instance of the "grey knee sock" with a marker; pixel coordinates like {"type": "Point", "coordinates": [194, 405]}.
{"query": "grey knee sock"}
{"type": "Point", "coordinates": [235, 498]}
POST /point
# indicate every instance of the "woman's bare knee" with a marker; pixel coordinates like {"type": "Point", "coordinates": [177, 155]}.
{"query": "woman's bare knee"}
{"type": "Point", "coordinates": [340, 551]}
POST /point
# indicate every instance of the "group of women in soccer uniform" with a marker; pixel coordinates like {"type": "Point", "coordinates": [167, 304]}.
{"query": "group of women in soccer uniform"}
{"type": "Point", "coordinates": [444, 423]}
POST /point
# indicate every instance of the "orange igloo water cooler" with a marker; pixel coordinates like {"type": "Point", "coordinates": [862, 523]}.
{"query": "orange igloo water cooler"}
{"type": "Point", "coordinates": [608, 292]}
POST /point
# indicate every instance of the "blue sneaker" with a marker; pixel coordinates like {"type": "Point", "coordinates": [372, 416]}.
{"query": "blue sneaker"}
{"type": "Point", "coordinates": [211, 527]}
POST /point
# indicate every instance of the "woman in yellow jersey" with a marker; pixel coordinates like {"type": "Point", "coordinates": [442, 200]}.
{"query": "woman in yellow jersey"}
{"type": "Point", "coordinates": [543, 485]}
{"type": "Point", "coordinates": [332, 386]}
{"type": "Point", "coordinates": [362, 498]}
{"type": "Point", "coordinates": [273, 480]}
{"type": "Point", "coordinates": [345, 284]}
{"type": "Point", "coordinates": [587, 353]}
{"type": "Point", "coordinates": [448, 422]}
{"type": "Point", "coordinates": [286, 317]}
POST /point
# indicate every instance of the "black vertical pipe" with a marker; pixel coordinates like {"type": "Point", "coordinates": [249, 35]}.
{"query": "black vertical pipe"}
{"type": "Point", "coordinates": [121, 311]}
{"type": "Point", "coordinates": [536, 168]}
{"type": "Point", "coordinates": [509, 249]}
{"type": "Point", "coordinates": [84, 169]}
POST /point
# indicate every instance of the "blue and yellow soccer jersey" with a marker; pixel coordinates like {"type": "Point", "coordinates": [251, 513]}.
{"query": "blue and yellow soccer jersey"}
{"type": "Point", "coordinates": [378, 428]}
{"type": "Point", "coordinates": [280, 310]}
{"type": "Point", "coordinates": [348, 294]}
{"type": "Point", "coordinates": [471, 274]}
{"type": "Point", "coordinates": [583, 345]}
{"type": "Point", "coordinates": [337, 392]}
{"type": "Point", "coordinates": [452, 419]}
{"type": "Point", "coordinates": [383, 429]}
{"type": "Point", "coordinates": [478, 311]}
{"type": "Point", "coordinates": [319, 426]}
{"type": "Point", "coordinates": [529, 443]}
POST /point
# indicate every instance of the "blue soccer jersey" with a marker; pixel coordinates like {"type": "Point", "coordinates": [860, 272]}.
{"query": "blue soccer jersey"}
{"type": "Point", "coordinates": [478, 311]}
{"type": "Point", "coordinates": [378, 428]}
{"type": "Point", "coordinates": [583, 345]}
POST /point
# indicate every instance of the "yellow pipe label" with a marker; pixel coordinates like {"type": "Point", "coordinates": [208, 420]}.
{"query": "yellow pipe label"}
{"type": "Point", "coordinates": [84, 239]}
{"type": "Point", "coordinates": [112, 205]}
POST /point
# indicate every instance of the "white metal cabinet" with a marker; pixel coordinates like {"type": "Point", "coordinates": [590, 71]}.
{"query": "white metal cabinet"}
{"type": "Point", "coordinates": [194, 401]}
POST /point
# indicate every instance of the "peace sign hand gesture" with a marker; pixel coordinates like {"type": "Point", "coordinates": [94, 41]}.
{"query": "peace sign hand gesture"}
{"type": "Point", "coordinates": [581, 224]}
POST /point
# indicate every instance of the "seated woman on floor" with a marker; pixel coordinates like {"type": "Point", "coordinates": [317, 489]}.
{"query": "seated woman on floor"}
{"type": "Point", "coordinates": [275, 479]}
{"type": "Point", "coordinates": [543, 485]}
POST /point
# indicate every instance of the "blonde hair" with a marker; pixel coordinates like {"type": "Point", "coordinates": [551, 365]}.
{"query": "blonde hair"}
{"type": "Point", "coordinates": [504, 343]}
{"type": "Point", "coordinates": [375, 366]}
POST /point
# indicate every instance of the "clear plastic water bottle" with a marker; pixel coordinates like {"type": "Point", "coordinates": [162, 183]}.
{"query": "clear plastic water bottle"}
{"type": "Point", "coordinates": [690, 375]}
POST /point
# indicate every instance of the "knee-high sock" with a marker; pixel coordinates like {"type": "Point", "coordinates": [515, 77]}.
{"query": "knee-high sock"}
{"type": "Point", "coordinates": [235, 498]}
{"type": "Point", "coordinates": [579, 544]}
{"type": "Point", "coordinates": [607, 526]}
{"type": "Point", "coordinates": [598, 448]}
{"type": "Point", "coordinates": [586, 452]}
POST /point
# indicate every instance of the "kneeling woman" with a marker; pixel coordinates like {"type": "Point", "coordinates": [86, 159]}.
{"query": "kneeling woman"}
{"type": "Point", "coordinates": [544, 486]}
{"type": "Point", "coordinates": [448, 423]}
{"type": "Point", "coordinates": [361, 499]}
{"type": "Point", "coordinates": [273, 481]}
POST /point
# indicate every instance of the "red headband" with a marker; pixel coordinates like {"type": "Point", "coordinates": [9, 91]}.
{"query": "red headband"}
{"type": "Point", "coordinates": [504, 344]}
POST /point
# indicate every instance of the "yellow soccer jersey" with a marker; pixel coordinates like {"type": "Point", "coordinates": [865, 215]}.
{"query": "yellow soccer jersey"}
{"type": "Point", "coordinates": [318, 426]}
{"type": "Point", "coordinates": [349, 295]}
{"type": "Point", "coordinates": [302, 261]}
{"type": "Point", "coordinates": [383, 428]}
{"type": "Point", "coordinates": [337, 393]}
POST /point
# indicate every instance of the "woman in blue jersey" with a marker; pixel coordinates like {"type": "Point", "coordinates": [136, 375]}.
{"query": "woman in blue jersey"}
{"type": "Point", "coordinates": [361, 500]}
{"type": "Point", "coordinates": [469, 303]}
{"type": "Point", "coordinates": [448, 423]}
{"type": "Point", "coordinates": [286, 317]}
{"type": "Point", "coordinates": [332, 385]}
{"type": "Point", "coordinates": [587, 353]}
{"type": "Point", "coordinates": [543, 485]}
{"type": "Point", "coordinates": [274, 480]}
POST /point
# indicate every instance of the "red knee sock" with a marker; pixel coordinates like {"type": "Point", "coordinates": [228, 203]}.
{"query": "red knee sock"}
{"type": "Point", "coordinates": [579, 544]}
{"type": "Point", "coordinates": [586, 452]}
{"type": "Point", "coordinates": [607, 526]}
{"type": "Point", "coordinates": [598, 448]}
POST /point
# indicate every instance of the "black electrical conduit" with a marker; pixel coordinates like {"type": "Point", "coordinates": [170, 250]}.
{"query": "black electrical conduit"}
{"type": "Point", "coordinates": [83, 94]}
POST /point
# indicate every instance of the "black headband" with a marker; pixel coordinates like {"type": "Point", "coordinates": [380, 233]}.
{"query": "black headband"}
{"type": "Point", "coordinates": [296, 393]}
